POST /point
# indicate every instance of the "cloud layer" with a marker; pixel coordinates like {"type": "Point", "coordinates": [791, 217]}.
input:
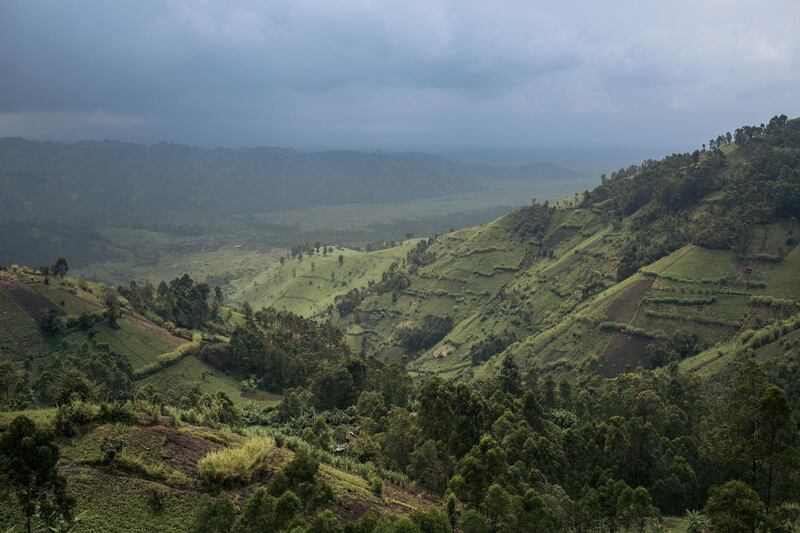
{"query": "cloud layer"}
{"type": "Point", "coordinates": [361, 73]}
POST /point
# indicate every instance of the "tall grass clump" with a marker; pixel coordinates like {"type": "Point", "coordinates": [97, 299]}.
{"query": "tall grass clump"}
{"type": "Point", "coordinates": [168, 359]}
{"type": "Point", "coordinates": [232, 467]}
{"type": "Point", "coordinates": [694, 318]}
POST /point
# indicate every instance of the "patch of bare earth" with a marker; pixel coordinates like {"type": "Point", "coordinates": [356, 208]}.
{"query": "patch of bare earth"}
{"type": "Point", "coordinates": [392, 354]}
{"type": "Point", "coordinates": [623, 353]}
{"type": "Point", "coordinates": [34, 304]}
{"type": "Point", "coordinates": [624, 307]}
{"type": "Point", "coordinates": [181, 450]}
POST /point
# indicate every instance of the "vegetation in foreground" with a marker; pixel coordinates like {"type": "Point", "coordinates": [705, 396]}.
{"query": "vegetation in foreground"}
{"type": "Point", "coordinates": [623, 361]}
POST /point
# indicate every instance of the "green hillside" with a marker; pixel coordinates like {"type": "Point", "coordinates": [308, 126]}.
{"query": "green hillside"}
{"type": "Point", "coordinates": [156, 481]}
{"type": "Point", "coordinates": [308, 285]}
{"type": "Point", "coordinates": [624, 360]}
{"type": "Point", "coordinates": [26, 298]}
{"type": "Point", "coordinates": [605, 283]}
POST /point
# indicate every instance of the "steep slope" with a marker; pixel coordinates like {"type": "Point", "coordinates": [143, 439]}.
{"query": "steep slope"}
{"type": "Point", "coordinates": [26, 300]}
{"type": "Point", "coordinates": [155, 484]}
{"type": "Point", "coordinates": [661, 261]}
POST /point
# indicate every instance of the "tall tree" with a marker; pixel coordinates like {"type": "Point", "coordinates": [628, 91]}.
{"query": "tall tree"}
{"type": "Point", "coordinates": [773, 433]}
{"type": "Point", "coordinates": [31, 455]}
{"type": "Point", "coordinates": [510, 380]}
{"type": "Point", "coordinates": [60, 268]}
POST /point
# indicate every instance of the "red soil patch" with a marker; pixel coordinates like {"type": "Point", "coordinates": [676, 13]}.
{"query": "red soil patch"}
{"type": "Point", "coordinates": [30, 301]}
{"type": "Point", "coordinates": [625, 306]}
{"type": "Point", "coordinates": [623, 353]}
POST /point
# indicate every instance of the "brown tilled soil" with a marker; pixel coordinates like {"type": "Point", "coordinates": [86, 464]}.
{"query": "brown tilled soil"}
{"type": "Point", "coordinates": [624, 307]}
{"type": "Point", "coordinates": [182, 450]}
{"type": "Point", "coordinates": [622, 353]}
{"type": "Point", "coordinates": [30, 301]}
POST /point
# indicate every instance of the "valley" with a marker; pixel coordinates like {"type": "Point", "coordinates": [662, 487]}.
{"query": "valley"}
{"type": "Point", "coordinates": [607, 344]}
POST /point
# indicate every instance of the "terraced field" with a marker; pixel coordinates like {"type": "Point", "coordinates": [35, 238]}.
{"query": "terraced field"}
{"type": "Point", "coordinates": [308, 286]}
{"type": "Point", "coordinates": [25, 298]}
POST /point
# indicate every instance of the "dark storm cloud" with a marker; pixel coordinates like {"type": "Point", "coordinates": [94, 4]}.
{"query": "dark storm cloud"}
{"type": "Point", "coordinates": [365, 73]}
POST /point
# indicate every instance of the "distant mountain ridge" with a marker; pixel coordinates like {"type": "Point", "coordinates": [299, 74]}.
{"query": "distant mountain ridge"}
{"type": "Point", "coordinates": [534, 170]}
{"type": "Point", "coordinates": [91, 180]}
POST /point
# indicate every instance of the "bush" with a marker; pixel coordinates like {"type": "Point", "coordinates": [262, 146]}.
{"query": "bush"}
{"type": "Point", "coordinates": [432, 329]}
{"type": "Point", "coordinates": [214, 515]}
{"type": "Point", "coordinates": [111, 446]}
{"type": "Point", "coordinates": [769, 301]}
{"type": "Point", "coordinates": [156, 499]}
{"type": "Point", "coordinates": [325, 522]}
{"type": "Point", "coordinates": [675, 300]}
{"type": "Point", "coordinates": [377, 484]}
{"type": "Point", "coordinates": [238, 466]}
{"type": "Point", "coordinates": [734, 506]}
{"type": "Point", "coordinates": [168, 359]}
{"type": "Point", "coordinates": [70, 417]}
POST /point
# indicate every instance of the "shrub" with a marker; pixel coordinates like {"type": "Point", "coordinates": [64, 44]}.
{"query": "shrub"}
{"type": "Point", "coordinates": [111, 446]}
{"type": "Point", "coordinates": [377, 484]}
{"type": "Point", "coordinates": [629, 330]}
{"type": "Point", "coordinates": [156, 499]}
{"type": "Point", "coordinates": [168, 359]}
{"type": "Point", "coordinates": [769, 301]}
{"type": "Point", "coordinates": [214, 515]}
{"type": "Point", "coordinates": [70, 417]}
{"type": "Point", "coordinates": [734, 506]}
{"type": "Point", "coordinates": [325, 522]}
{"type": "Point", "coordinates": [674, 300]}
{"type": "Point", "coordinates": [237, 466]}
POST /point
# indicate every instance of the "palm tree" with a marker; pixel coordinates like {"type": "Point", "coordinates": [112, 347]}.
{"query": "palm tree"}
{"type": "Point", "coordinates": [696, 522]}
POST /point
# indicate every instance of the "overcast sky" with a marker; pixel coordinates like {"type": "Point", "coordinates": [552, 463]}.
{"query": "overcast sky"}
{"type": "Point", "coordinates": [397, 74]}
